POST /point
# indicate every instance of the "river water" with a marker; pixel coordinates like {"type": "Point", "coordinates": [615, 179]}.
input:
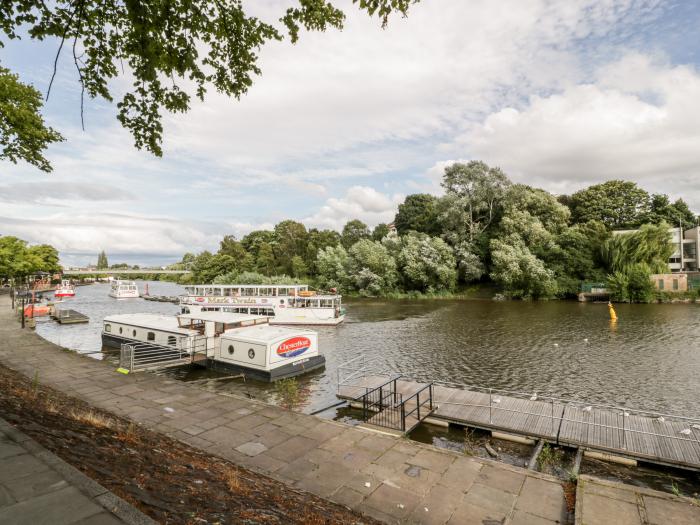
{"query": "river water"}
{"type": "Point", "coordinates": [649, 359]}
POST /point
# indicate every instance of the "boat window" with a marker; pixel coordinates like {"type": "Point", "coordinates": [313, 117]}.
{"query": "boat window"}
{"type": "Point", "coordinates": [281, 301]}
{"type": "Point", "coordinates": [251, 353]}
{"type": "Point", "coordinates": [172, 340]}
{"type": "Point", "coordinates": [121, 329]}
{"type": "Point", "coordinates": [133, 333]}
{"type": "Point", "coordinates": [108, 328]}
{"type": "Point", "coordinates": [151, 336]}
{"type": "Point", "coordinates": [230, 349]}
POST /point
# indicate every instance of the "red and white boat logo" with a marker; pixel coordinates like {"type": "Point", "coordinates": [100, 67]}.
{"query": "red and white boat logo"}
{"type": "Point", "coordinates": [293, 347]}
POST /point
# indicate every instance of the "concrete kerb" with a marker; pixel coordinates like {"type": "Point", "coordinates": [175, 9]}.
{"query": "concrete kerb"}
{"type": "Point", "coordinates": [96, 492]}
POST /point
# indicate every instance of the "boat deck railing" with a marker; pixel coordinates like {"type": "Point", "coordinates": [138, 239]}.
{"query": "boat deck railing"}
{"type": "Point", "coordinates": [139, 356]}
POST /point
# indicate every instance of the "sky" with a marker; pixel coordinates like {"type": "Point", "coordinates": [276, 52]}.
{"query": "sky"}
{"type": "Point", "coordinates": [345, 124]}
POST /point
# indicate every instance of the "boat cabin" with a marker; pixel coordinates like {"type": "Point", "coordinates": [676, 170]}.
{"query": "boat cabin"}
{"type": "Point", "coordinates": [230, 342]}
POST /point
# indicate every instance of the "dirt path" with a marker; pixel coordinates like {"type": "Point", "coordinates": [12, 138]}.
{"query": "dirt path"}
{"type": "Point", "coordinates": [168, 480]}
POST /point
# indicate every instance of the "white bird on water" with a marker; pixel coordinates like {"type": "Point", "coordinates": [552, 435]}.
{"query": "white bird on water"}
{"type": "Point", "coordinates": [685, 431]}
{"type": "Point", "coordinates": [556, 345]}
{"type": "Point", "coordinates": [534, 397]}
{"type": "Point", "coordinates": [696, 427]}
{"type": "Point", "coordinates": [585, 340]}
{"type": "Point", "coordinates": [588, 409]}
{"type": "Point", "coordinates": [661, 419]}
{"type": "Point", "coordinates": [497, 400]}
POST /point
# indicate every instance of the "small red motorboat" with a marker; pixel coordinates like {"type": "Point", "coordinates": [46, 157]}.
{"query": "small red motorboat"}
{"type": "Point", "coordinates": [65, 289]}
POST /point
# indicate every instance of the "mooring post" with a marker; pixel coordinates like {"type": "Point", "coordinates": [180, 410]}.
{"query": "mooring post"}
{"type": "Point", "coordinates": [490, 405]}
{"type": "Point", "coordinates": [23, 311]}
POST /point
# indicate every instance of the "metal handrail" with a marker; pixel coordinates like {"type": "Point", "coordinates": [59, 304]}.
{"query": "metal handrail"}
{"type": "Point", "coordinates": [546, 397]}
{"type": "Point", "coordinates": [623, 428]}
{"type": "Point", "coordinates": [416, 394]}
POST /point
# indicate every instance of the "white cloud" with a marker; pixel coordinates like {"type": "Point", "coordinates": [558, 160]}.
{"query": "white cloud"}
{"type": "Point", "coordinates": [121, 233]}
{"type": "Point", "coordinates": [359, 202]}
{"type": "Point", "coordinates": [58, 194]}
{"type": "Point", "coordinates": [637, 121]}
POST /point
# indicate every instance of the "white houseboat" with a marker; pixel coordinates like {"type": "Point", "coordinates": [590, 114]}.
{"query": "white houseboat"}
{"type": "Point", "coordinates": [65, 289]}
{"type": "Point", "coordinates": [124, 290]}
{"type": "Point", "coordinates": [283, 304]}
{"type": "Point", "coordinates": [230, 342]}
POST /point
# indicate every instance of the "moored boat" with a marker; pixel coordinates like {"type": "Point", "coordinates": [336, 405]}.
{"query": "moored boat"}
{"type": "Point", "coordinates": [124, 290]}
{"type": "Point", "coordinates": [227, 341]}
{"type": "Point", "coordinates": [65, 289]}
{"type": "Point", "coordinates": [288, 304]}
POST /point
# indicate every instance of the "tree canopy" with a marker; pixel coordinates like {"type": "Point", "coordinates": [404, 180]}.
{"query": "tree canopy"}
{"type": "Point", "coordinates": [19, 260]}
{"type": "Point", "coordinates": [172, 51]}
{"type": "Point", "coordinates": [23, 134]}
{"type": "Point", "coordinates": [617, 204]}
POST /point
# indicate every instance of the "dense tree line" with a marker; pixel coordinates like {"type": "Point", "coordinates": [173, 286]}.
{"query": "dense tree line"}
{"type": "Point", "coordinates": [18, 260]}
{"type": "Point", "coordinates": [528, 242]}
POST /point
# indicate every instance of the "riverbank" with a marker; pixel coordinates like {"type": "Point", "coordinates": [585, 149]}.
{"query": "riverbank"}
{"type": "Point", "coordinates": [382, 477]}
{"type": "Point", "coordinates": [168, 480]}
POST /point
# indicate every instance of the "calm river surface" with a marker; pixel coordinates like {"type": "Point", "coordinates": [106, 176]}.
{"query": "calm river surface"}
{"type": "Point", "coordinates": [649, 360]}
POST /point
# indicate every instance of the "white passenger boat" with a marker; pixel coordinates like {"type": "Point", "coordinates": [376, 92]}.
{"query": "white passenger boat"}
{"type": "Point", "coordinates": [124, 290]}
{"type": "Point", "coordinates": [65, 289]}
{"type": "Point", "coordinates": [229, 342]}
{"type": "Point", "coordinates": [283, 304]}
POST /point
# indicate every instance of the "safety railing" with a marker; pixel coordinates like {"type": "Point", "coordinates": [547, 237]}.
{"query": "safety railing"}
{"type": "Point", "coordinates": [351, 372]}
{"type": "Point", "coordinates": [383, 406]}
{"type": "Point", "coordinates": [558, 408]}
{"type": "Point", "coordinates": [427, 389]}
{"type": "Point", "coordinates": [135, 356]}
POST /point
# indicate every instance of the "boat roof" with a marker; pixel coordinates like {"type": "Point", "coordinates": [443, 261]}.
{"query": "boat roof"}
{"type": "Point", "coordinates": [247, 286]}
{"type": "Point", "coordinates": [222, 317]}
{"type": "Point", "coordinates": [265, 333]}
{"type": "Point", "coordinates": [156, 321]}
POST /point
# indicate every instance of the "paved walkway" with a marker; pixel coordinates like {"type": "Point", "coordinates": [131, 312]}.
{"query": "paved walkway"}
{"type": "Point", "coordinates": [389, 478]}
{"type": "Point", "coordinates": [600, 502]}
{"type": "Point", "coordinates": [37, 487]}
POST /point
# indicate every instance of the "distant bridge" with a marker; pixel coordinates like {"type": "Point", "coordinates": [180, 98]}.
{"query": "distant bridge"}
{"type": "Point", "coordinates": [117, 271]}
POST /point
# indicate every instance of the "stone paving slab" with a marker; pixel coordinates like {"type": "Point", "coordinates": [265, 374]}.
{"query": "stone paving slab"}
{"type": "Point", "coordinates": [37, 487]}
{"type": "Point", "coordinates": [601, 502]}
{"type": "Point", "coordinates": [389, 478]}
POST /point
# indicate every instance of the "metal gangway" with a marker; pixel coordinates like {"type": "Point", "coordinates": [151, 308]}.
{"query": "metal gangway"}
{"type": "Point", "coordinates": [142, 356]}
{"type": "Point", "coordinates": [384, 405]}
{"type": "Point", "coordinates": [642, 435]}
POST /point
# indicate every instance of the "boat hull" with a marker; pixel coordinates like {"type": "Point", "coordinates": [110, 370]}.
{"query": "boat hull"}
{"type": "Point", "coordinates": [294, 369]}
{"type": "Point", "coordinates": [297, 368]}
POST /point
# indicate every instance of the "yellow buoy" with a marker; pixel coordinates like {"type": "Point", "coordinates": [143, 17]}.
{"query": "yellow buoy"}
{"type": "Point", "coordinates": [611, 311]}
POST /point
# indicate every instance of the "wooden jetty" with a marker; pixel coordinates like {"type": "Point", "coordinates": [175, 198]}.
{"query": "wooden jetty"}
{"type": "Point", "coordinates": [68, 316]}
{"type": "Point", "coordinates": [618, 431]}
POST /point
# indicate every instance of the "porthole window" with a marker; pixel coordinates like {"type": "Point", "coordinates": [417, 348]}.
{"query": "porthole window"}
{"type": "Point", "coordinates": [121, 329]}
{"type": "Point", "coordinates": [251, 353]}
{"type": "Point", "coordinates": [230, 349]}
{"type": "Point", "coordinates": [172, 341]}
{"type": "Point", "coordinates": [281, 301]}
{"type": "Point", "coordinates": [133, 333]}
{"type": "Point", "coordinates": [151, 336]}
{"type": "Point", "coordinates": [108, 328]}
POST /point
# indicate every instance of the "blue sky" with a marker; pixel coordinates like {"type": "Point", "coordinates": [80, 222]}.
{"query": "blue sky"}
{"type": "Point", "coordinates": [345, 123]}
